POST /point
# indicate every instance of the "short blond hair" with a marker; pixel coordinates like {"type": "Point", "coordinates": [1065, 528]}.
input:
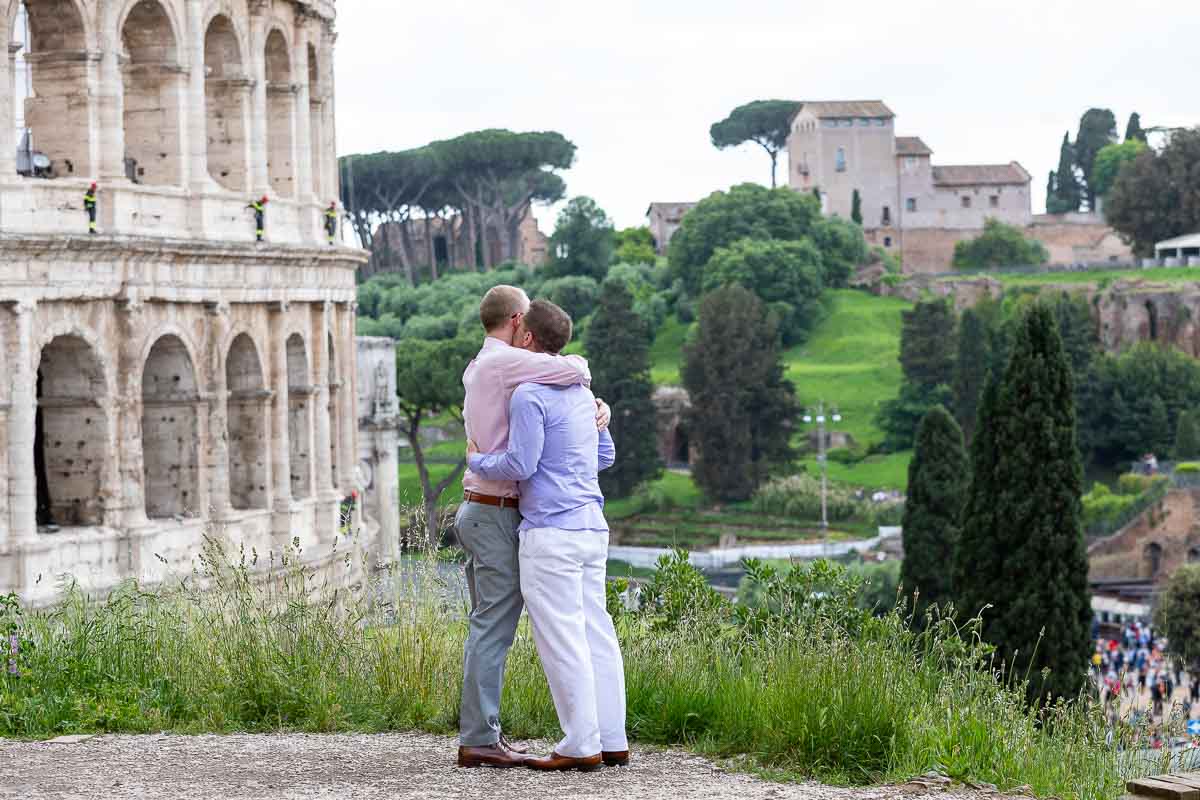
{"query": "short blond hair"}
{"type": "Point", "coordinates": [500, 304]}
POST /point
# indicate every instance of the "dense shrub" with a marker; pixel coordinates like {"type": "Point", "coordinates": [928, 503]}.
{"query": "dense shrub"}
{"type": "Point", "coordinates": [800, 496]}
{"type": "Point", "coordinates": [1000, 245]}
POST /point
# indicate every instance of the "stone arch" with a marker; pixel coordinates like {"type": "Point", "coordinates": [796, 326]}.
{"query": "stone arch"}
{"type": "Point", "coordinates": [71, 443]}
{"type": "Point", "coordinates": [281, 160]}
{"type": "Point", "coordinates": [1152, 554]}
{"type": "Point", "coordinates": [170, 430]}
{"type": "Point", "coordinates": [153, 83]}
{"type": "Point", "coordinates": [57, 103]}
{"type": "Point", "coordinates": [300, 391]}
{"type": "Point", "coordinates": [1152, 321]}
{"type": "Point", "coordinates": [1193, 554]}
{"type": "Point", "coordinates": [227, 102]}
{"type": "Point", "coordinates": [249, 445]}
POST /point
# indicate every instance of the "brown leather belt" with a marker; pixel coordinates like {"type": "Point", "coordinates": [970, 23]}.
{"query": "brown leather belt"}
{"type": "Point", "coordinates": [490, 500]}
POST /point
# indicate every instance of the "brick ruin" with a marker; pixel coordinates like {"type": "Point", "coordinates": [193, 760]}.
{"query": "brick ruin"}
{"type": "Point", "coordinates": [169, 378]}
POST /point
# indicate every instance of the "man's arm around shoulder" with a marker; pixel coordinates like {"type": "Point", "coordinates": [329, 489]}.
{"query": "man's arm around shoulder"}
{"type": "Point", "coordinates": [526, 439]}
{"type": "Point", "coordinates": [516, 366]}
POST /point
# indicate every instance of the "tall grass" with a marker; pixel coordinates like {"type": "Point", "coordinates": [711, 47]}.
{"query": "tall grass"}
{"type": "Point", "coordinates": [802, 685]}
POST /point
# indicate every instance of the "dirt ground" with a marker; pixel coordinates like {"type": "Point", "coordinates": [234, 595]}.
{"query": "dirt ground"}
{"type": "Point", "coordinates": [394, 766]}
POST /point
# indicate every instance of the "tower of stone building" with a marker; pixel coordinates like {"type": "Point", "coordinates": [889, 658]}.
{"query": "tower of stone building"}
{"type": "Point", "coordinates": [168, 376]}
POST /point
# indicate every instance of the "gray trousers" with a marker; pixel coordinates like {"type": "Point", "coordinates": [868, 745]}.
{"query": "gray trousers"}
{"type": "Point", "coordinates": [489, 536]}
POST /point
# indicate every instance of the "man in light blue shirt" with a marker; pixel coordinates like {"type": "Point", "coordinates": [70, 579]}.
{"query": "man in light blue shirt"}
{"type": "Point", "coordinates": [555, 453]}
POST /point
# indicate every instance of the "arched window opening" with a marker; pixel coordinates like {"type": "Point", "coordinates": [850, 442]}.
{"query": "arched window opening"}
{"type": "Point", "coordinates": [840, 160]}
{"type": "Point", "coordinates": [1152, 320]}
{"type": "Point", "coordinates": [249, 449]}
{"type": "Point", "coordinates": [170, 431]}
{"type": "Point", "coordinates": [300, 390]}
{"type": "Point", "coordinates": [335, 386]}
{"type": "Point", "coordinates": [154, 85]}
{"type": "Point", "coordinates": [681, 450]}
{"type": "Point", "coordinates": [70, 435]}
{"type": "Point", "coordinates": [227, 102]}
{"type": "Point", "coordinates": [316, 134]}
{"type": "Point", "coordinates": [51, 87]}
{"type": "Point", "coordinates": [281, 159]}
{"type": "Point", "coordinates": [1153, 557]}
{"type": "Point", "coordinates": [1193, 555]}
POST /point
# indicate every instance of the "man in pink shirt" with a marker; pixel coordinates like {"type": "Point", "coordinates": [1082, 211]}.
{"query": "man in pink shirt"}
{"type": "Point", "coordinates": [488, 519]}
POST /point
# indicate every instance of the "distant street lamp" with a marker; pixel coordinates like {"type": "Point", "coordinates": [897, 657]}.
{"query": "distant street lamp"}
{"type": "Point", "coordinates": [822, 460]}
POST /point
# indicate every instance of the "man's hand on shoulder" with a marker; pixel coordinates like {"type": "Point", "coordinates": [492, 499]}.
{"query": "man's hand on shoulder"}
{"type": "Point", "coordinates": [603, 415]}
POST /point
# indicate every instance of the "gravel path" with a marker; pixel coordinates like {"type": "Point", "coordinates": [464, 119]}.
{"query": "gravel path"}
{"type": "Point", "coordinates": [394, 766]}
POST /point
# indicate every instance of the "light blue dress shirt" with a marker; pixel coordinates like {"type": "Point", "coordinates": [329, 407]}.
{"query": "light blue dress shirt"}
{"type": "Point", "coordinates": [556, 454]}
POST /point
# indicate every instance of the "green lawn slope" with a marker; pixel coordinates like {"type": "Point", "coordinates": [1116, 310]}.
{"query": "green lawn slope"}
{"type": "Point", "coordinates": [850, 361]}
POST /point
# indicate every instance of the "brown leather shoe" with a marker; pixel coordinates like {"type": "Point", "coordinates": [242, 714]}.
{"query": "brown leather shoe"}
{"type": "Point", "coordinates": [507, 745]}
{"type": "Point", "coordinates": [494, 755]}
{"type": "Point", "coordinates": [556, 763]}
{"type": "Point", "coordinates": [615, 758]}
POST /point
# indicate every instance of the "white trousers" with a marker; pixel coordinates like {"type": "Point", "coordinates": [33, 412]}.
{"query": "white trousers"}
{"type": "Point", "coordinates": [562, 580]}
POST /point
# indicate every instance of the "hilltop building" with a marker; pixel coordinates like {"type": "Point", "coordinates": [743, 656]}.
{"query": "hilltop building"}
{"type": "Point", "coordinates": [169, 377]}
{"type": "Point", "coordinates": [664, 219]}
{"type": "Point", "coordinates": [913, 207]}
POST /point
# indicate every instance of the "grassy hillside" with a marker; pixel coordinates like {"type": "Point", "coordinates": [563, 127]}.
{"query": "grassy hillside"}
{"type": "Point", "coordinates": [850, 361]}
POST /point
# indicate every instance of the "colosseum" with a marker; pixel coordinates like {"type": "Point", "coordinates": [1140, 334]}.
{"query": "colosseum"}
{"type": "Point", "coordinates": [168, 376]}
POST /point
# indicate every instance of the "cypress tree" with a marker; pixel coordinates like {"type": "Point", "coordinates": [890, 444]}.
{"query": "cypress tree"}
{"type": "Point", "coordinates": [856, 207]}
{"type": "Point", "coordinates": [1187, 437]}
{"type": "Point", "coordinates": [1134, 129]}
{"type": "Point", "coordinates": [927, 343]}
{"type": "Point", "coordinates": [1022, 548]}
{"type": "Point", "coordinates": [743, 410]}
{"type": "Point", "coordinates": [1067, 194]}
{"type": "Point", "coordinates": [1157, 426]}
{"type": "Point", "coordinates": [970, 369]}
{"type": "Point", "coordinates": [618, 347]}
{"type": "Point", "coordinates": [937, 483]}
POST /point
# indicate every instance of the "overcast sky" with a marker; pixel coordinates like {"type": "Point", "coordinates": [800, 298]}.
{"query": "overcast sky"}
{"type": "Point", "coordinates": [635, 84]}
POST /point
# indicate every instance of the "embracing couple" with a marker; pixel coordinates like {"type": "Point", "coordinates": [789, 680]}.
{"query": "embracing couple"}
{"type": "Point", "coordinates": [532, 525]}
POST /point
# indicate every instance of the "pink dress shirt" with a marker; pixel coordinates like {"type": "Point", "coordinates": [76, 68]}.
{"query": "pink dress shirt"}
{"type": "Point", "coordinates": [490, 380]}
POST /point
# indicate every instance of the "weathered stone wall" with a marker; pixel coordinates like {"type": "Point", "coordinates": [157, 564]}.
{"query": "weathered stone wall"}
{"type": "Point", "coordinates": [1153, 546]}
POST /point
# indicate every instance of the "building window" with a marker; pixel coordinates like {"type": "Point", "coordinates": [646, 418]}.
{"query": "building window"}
{"type": "Point", "coordinates": [966, 201]}
{"type": "Point", "coordinates": [910, 163]}
{"type": "Point", "coordinates": [829, 123]}
{"type": "Point", "coordinates": [864, 123]}
{"type": "Point", "coordinates": [910, 204]}
{"type": "Point", "coordinates": [994, 201]}
{"type": "Point", "coordinates": [882, 123]}
{"type": "Point", "coordinates": [846, 123]}
{"type": "Point", "coordinates": [887, 241]}
{"type": "Point", "coordinates": [887, 215]}
{"type": "Point", "coordinates": [840, 160]}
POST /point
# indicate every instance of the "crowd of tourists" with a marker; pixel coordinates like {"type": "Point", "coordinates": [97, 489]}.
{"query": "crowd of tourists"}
{"type": "Point", "coordinates": [1137, 664]}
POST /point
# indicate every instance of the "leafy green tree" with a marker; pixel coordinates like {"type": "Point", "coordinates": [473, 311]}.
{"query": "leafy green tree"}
{"type": "Point", "coordinates": [1157, 195]}
{"type": "Point", "coordinates": [1097, 129]}
{"type": "Point", "coordinates": [970, 369]}
{"type": "Point", "coordinates": [1133, 131]}
{"type": "Point", "coordinates": [1116, 418]}
{"type": "Point", "coordinates": [575, 294]}
{"type": "Point", "coordinates": [787, 276]}
{"type": "Point", "coordinates": [747, 211]}
{"type": "Point", "coordinates": [1066, 194]}
{"type": "Point", "coordinates": [764, 122]}
{"type": "Point", "coordinates": [429, 383]}
{"type": "Point", "coordinates": [583, 241]}
{"type": "Point", "coordinates": [1178, 615]}
{"type": "Point", "coordinates": [743, 410]}
{"type": "Point", "coordinates": [938, 476]}
{"type": "Point", "coordinates": [635, 246]}
{"type": "Point", "coordinates": [1110, 160]}
{"type": "Point", "coordinates": [856, 207]}
{"type": "Point", "coordinates": [1023, 518]}
{"type": "Point", "coordinates": [1187, 437]}
{"type": "Point", "coordinates": [843, 248]}
{"type": "Point", "coordinates": [618, 347]}
{"type": "Point", "coordinates": [1000, 245]}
